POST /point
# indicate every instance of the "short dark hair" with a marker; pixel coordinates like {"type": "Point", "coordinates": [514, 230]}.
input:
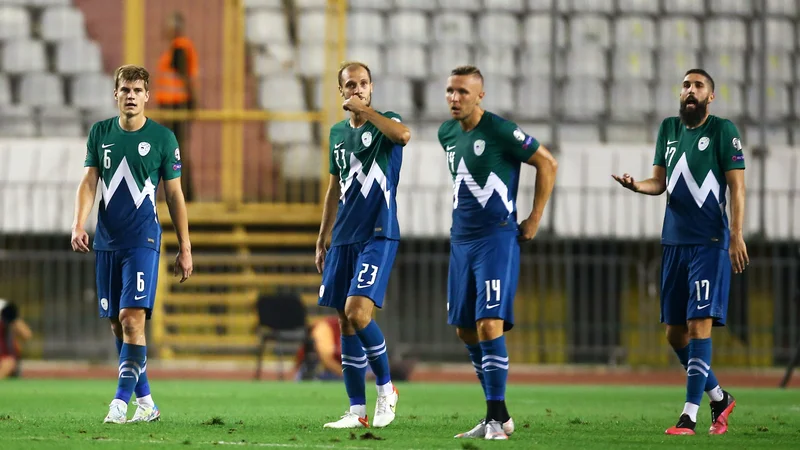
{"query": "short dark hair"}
{"type": "Point", "coordinates": [467, 70]}
{"type": "Point", "coordinates": [348, 64]}
{"type": "Point", "coordinates": [703, 73]}
{"type": "Point", "coordinates": [132, 73]}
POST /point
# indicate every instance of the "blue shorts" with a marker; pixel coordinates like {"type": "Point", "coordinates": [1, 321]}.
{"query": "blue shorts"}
{"type": "Point", "coordinates": [482, 280]}
{"type": "Point", "coordinates": [360, 269]}
{"type": "Point", "coordinates": [695, 282]}
{"type": "Point", "coordinates": [126, 279]}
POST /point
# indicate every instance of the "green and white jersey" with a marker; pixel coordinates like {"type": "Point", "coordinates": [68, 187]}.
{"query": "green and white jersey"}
{"type": "Point", "coordinates": [131, 164]}
{"type": "Point", "coordinates": [485, 165]}
{"type": "Point", "coordinates": [696, 161]}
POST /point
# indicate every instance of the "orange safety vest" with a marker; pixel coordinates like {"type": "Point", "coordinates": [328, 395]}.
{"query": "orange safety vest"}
{"type": "Point", "coordinates": [169, 87]}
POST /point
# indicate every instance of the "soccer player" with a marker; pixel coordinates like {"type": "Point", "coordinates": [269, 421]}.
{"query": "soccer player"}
{"type": "Point", "coordinates": [366, 152]}
{"type": "Point", "coordinates": [484, 154]}
{"type": "Point", "coordinates": [129, 155]}
{"type": "Point", "coordinates": [698, 157]}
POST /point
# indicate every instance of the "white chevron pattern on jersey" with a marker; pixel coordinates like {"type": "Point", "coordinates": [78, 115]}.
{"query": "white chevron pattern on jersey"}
{"type": "Point", "coordinates": [123, 173]}
{"type": "Point", "coordinates": [375, 175]}
{"type": "Point", "coordinates": [699, 193]}
{"type": "Point", "coordinates": [482, 194]}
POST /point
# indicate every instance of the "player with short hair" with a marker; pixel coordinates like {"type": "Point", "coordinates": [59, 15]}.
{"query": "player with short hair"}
{"type": "Point", "coordinates": [13, 332]}
{"type": "Point", "coordinates": [698, 157]}
{"type": "Point", "coordinates": [360, 219]}
{"type": "Point", "coordinates": [129, 155]}
{"type": "Point", "coordinates": [484, 155]}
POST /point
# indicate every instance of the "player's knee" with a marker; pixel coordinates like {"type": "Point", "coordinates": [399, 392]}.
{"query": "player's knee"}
{"type": "Point", "coordinates": [132, 321]}
{"type": "Point", "coordinates": [468, 335]}
{"type": "Point", "coordinates": [700, 328]}
{"type": "Point", "coordinates": [358, 312]}
{"type": "Point", "coordinates": [116, 328]}
{"type": "Point", "coordinates": [345, 326]}
{"type": "Point", "coordinates": [677, 336]}
{"type": "Point", "coordinates": [489, 329]}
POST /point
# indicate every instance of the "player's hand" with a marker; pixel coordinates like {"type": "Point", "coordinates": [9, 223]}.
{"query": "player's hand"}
{"type": "Point", "coordinates": [738, 252]}
{"type": "Point", "coordinates": [355, 104]}
{"type": "Point", "coordinates": [627, 182]}
{"type": "Point", "coordinates": [183, 265]}
{"type": "Point", "coordinates": [528, 229]}
{"type": "Point", "coordinates": [80, 240]}
{"type": "Point", "coordinates": [319, 258]}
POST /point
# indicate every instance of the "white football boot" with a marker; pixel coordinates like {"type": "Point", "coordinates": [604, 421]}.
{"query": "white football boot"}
{"type": "Point", "coordinates": [117, 413]}
{"type": "Point", "coordinates": [479, 432]}
{"type": "Point", "coordinates": [495, 431]}
{"type": "Point", "coordinates": [349, 420]}
{"type": "Point", "coordinates": [145, 413]}
{"type": "Point", "coordinates": [385, 409]}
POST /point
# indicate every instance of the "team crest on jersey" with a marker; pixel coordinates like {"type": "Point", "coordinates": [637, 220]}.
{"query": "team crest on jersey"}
{"type": "Point", "coordinates": [703, 144]}
{"type": "Point", "coordinates": [737, 144]}
{"type": "Point", "coordinates": [479, 146]}
{"type": "Point", "coordinates": [519, 135]}
{"type": "Point", "coordinates": [177, 154]}
{"type": "Point", "coordinates": [366, 138]}
{"type": "Point", "coordinates": [144, 148]}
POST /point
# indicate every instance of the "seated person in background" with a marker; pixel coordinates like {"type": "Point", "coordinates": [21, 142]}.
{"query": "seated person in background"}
{"type": "Point", "coordinates": [13, 331]}
{"type": "Point", "coordinates": [320, 357]}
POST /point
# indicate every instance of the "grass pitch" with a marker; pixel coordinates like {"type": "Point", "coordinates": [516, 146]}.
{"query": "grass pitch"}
{"type": "Point", "coordinates": [68, 414]}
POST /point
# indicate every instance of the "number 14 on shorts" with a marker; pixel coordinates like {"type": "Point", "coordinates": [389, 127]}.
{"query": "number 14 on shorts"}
{"type": "Point", "coordinates": [492, 294]}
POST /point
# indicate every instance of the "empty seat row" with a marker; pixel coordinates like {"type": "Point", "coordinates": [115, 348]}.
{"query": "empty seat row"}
{"type": "Point", "coordinates": [91, 90]}
{"type": "Point", "coordinates": [49, 121]}
{"type": "Point", "coordinates": [72, 56]}
{"type": "Point", "coordinates": [58, 22]}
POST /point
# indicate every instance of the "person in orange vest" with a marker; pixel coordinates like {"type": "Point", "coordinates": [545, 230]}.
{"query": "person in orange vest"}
{"type": "Point", "coordinates": [175, 88]}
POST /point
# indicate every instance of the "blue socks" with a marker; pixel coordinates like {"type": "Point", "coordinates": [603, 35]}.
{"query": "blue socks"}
{"type": "Point", "coordinates": [698, 369]}
{"type": "Point", "coordinates": [131, 364]}
{"type": "Point", "coordinates": [476, 355]}
{"type": "Point", "coordinates": [374, 345]}
{"type": "Point", "coordinates": [495, 368]}
{"type": "Point", "coordinates": [142, 386]}
{"type": "Point", "coordinates": [354, 370]}
{"type": "Point", "coordinates": [712, 385]}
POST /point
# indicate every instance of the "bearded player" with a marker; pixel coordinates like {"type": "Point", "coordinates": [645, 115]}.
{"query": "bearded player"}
{"type": "Point", "coordinates": [129, 154]}
{"type": "Point", "coordinates": [484, 155]}
{"type": "Point", "coordinates": [360, 219]}
{"type": "Point", "coordinates": [698, 157]}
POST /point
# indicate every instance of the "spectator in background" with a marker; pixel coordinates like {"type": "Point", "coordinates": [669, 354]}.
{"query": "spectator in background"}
{"type": "Point", "coordinates": [176, 89]}
{"type": "Point", "coordinates": [13, 331]}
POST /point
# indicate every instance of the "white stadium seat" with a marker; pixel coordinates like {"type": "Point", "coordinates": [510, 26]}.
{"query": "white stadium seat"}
{"type": "Point", "coordinates": [14, 23]}
{"type": "Point", "coordinates": [41, 89]}
{"type": "Point", "coordinates": [23, 55]}
{"type": "Point", "coordinates": [75, 56]}
{"type": "Point", "coordinates": [62, 23]}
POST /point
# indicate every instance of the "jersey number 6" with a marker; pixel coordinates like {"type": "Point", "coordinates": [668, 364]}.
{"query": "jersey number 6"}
{"type": "Point", "coordinates": [107, 158]}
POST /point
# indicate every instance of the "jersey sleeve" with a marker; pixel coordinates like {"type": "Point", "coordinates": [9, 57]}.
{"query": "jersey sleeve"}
{"type": "Point", "coordinates": [171, 159]}
{"type": "Point", "coordinates": [332, 169]}
{"type": "Point", "coordinates": [394, 116]}
{"type": "Point", "coordinates": [731, 156]}
{"type": "Point", "coordinates": [660, 157]}
{"type": "Point", "coordinates": [516, 142]}
{"type": "Point", "coordinates": [91, 149]}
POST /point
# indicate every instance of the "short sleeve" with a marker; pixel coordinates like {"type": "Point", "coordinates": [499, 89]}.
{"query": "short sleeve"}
{"type": "Point", "coordinates": [394, 116]}
{"type": "Point", "coordinates": [660, 153]}
{"type": "Point", "coordinates": [332, 169]}
{"type": "Point", "coordinates": [515, 142]}
{"type": "Point", "coordinates": [171, 159]}
{"type": "Point", "coordinates": [731, 156]}
{"type": "Point", "coordinates": [91, 149]}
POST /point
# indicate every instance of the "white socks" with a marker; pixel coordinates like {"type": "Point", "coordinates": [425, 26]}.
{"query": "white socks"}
{"type": "Point", "coordinates": [716, 394]}
{"type": "Point", "coordinates": [691, 410]}
{"type": "Point", "coordinates": [360, 410]}
{"type": "Point", "coordinates": [385, 389]}
{"type": "Point", "coordinates": [147, 401]}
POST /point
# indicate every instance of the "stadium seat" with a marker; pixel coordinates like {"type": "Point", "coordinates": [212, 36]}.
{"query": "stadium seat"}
{"type": "Point", "coordinates": [587, 61]}
{"type": "Point", "coordinates": [740, 7]}
{"type": "Point", "coordinates": [406, 60]}
{"type": "Point", "coordinates": [100, 112]}
{"type": "Point", "coordinates": [584, 98]}
{"type": "Point", "coordinates": [668, 94]}
{"type": "Point", "coordinates": [499, 96]}
{"type": "Point", "coordinates": [453, 28]}
{"type": "Point", "coordinates": [781, 7]}
{"type": "Point", "coordinates": [541, 131]}
{"type": "Point", "coordinates": [591, 6]}
{"type": "Point", "coordinates": [370, 4]}
{"type": "Point", "coordinates": [497, 60]}
{"type": "Point", "coordinates": [281, 318]}
{"type": "Point", "coordinates": [775, 136]}
{"type": "Point", "coordinates": [5, 90]}
{"type": "Point", "coordinates": [421, 5]}
{"type": "Point", "coordinates": [632, 64]}
{"type": "Point", "coordinates": [638, 6]}
{"type": "Point", "coordinates": [634, 133]}
{"type": "Point", "coordinates": [499, 29]}
{"type": "Point", "coordinates": [445, 57]}
{"type": "Point", "coordinates": [62, 23]}
{"type": "Point", "coordinates": [673, 64]}
{"type": "Point", "coordinates": [41, 89]}
{"type": "Point", "coordinates": [726, 65]}
{"type": "Point", "coordinates": [290, 132]}
{"type": "Point", "coordinates": [363, 26]}
{"type": "Point", "coordinates": [726, 34]}
{"type": "Point", "coordinates": [268, 4]}
{"type": "Point", "coordinates": [59, 121]}
{"type": "Point", "coordinates": [310, 60]}
{"type": "Point", "coordinates": [780, 35]}
{"type": "Point", "coordinates": [23, 55]}
{"type": "Point", "coordinates": [635, 32]}
{"type": "Point", "coordinates": [75, 56]}
{"type": "Point", "coordinates": [310, 4]}
{"type": "Point", "coordinates": [281, 93]}
{"type": "Point", "coordinates": [631, 100]}
{"type": "Point", "coordinates": [535, 61]}
{"type": "Point", "coordinates": [778, 105]}
{"type": "Point", "coordinates": [268, 26]}
{"type": "Point", "coordinates": [462, 5]}
{"type": "Point", "coordinates": [538, 31]}
{"type": "Point", "coordinates": [679, 33]}
{"type": "Point", "coordinates": [17, 121]}
{"type": "Point", "coordinates": [271, 59]}
{"type": "Point", "coordinates": [514, 6]}
{"type": "Point", "coordinates": [533, 99]}
{"type": "Point", "coordinates": [301, 162]}
{"type": "Point", "coordinates": [436, 107]}
{"type": "Point", "coordinates": [729, 100]}
{"type": "Point", "coordinates": [92, 91]}
{"type": "Point", "coordinates": [371, 55]}
{"type": "Point", "coordinates": [41, 3]}
{"type": "Point", "coordinates": [589, 30]}
{"type": "Point", "coordinates": [409, 27]}
{"type": "Point", "coordinates": [685, 7]}
{"type": "Point", "coordinates": [14, 23]}
{"type": "Point", "coordinates": [311, 28]}
{"type": "Point", "coordinates": [394, 93]}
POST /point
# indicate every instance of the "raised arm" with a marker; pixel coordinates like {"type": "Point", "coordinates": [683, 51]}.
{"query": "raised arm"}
{"type": "Point", "coordinates": [329, 209]}
{"type": "Point", "coordinates": [84, 201]}
{"type": "Point", "coordinates": [395, 130]}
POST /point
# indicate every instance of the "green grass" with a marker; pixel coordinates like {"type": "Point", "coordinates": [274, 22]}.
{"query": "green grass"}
{"type": "Point", "coordinates": [68, 414]}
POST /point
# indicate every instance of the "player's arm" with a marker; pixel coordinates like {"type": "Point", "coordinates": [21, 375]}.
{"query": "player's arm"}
{"type": "Point", "coordinates": [329, 209]}
{"type": "Point", "coordinates": [391, 127]}
{"type": "Point", "coordinates": [546, 169]}
{"type": "Point", "coordinates": [325, 347]}
{"type": "Point", "coordinates": [731, 157]}
{"type": "Point", "coordinates": [170, 172]}
{"type": "Point", "coordinates": [21, 330]}
{"type": "Point", "coordinates": [84, 201]}
{"type": "Point", "coordinates": [656, 184]}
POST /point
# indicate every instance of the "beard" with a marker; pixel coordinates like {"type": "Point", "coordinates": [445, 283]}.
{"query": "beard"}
{"type": "Point", "coordinates": [692, 117]}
